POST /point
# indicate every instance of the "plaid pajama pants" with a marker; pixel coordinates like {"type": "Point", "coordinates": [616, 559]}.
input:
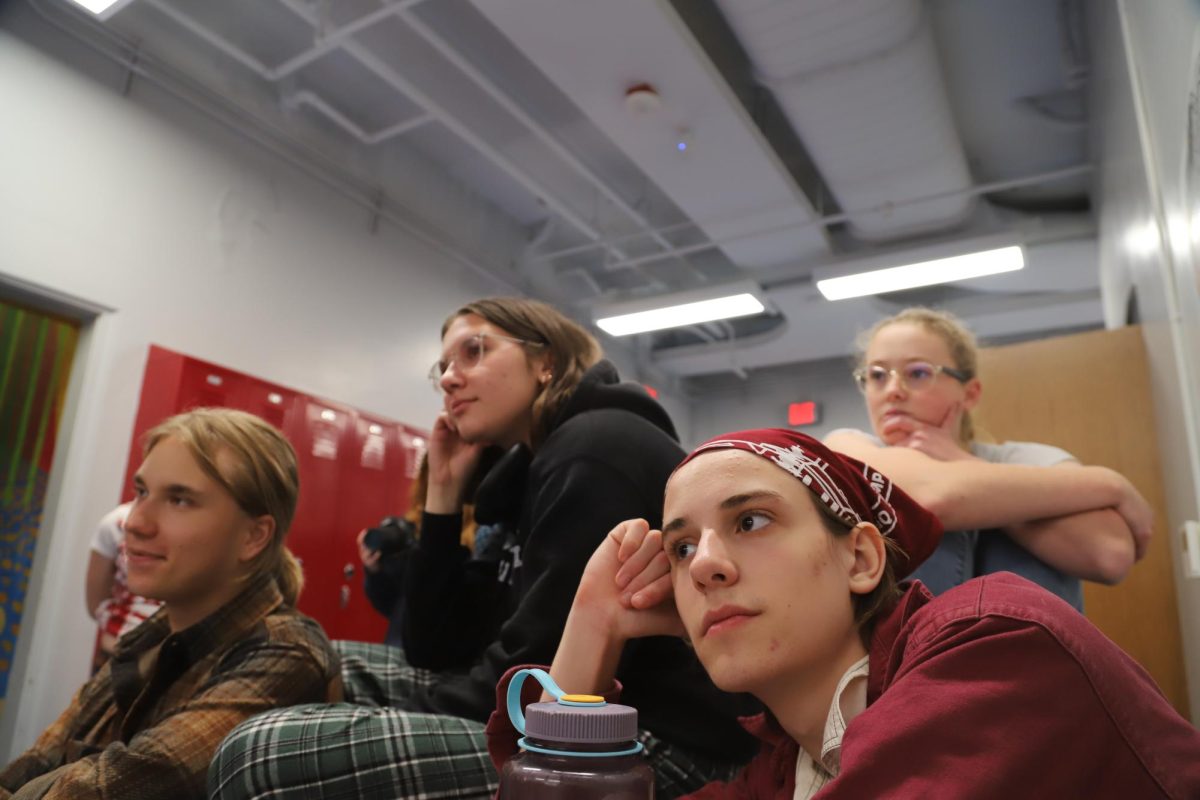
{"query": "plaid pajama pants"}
{"type": "Point", "coordinates": [365, 749]}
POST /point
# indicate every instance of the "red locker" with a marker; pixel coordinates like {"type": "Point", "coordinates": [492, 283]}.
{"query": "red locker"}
{"type": "Point", "coordinates": [354, 470]}
{"type": "Point", "coordinates": [375, 485]}
{"type": "Point", "coordinates": [322, 437]}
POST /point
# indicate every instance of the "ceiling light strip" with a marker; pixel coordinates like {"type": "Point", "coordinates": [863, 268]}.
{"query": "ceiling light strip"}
{"type": "Point", "coordinates": [677, 316]}
{"type": "Point", "coordinates": [924, 273]}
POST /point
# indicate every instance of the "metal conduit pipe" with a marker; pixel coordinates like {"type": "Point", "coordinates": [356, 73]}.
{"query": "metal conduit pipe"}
{"type": "Point", "coordinates": [398, 82]}
{"type": "Point", "coordinates": [450, 54]}
{"type": "Point", "coordinates": [314, 101]}
{"type": "Point", "coordinates": [305, 97]}
{"type": "Point", "coordinates": [401, 84]}
{"type": "Point", "coordinates": [220, 110]}
{"type": "Point", "coordinates": [335, 38]}
{"type": "Point", "coordinates": [331, 40]}
{"type": "Point", "coordinates": [983, 188]}
{"type": "Point", "coordinates": [204, 34]}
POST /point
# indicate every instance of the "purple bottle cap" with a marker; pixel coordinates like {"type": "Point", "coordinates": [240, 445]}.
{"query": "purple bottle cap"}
{"type": "Point", "coordinates": [599, 723]}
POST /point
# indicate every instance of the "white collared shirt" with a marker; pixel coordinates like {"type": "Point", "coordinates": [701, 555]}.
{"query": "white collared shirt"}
{"type": "Point", "coordinates": [849, 700]}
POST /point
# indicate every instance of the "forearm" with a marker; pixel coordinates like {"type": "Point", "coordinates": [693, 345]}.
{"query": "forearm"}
{"type": "Point", "coordinates": [974, 494]}
{"type": "Point", "coordinates": [1092, 545]}
{"type": "Point", "coordinates": [588, 653]}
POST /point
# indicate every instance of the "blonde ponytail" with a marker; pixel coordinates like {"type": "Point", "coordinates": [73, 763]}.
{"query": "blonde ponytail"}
{"type": "Point", "coordinates": [289, 576]}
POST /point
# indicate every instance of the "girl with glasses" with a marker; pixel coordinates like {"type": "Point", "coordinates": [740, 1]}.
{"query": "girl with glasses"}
{"type": "Point", "coordinates": [1020, 507]}
{"type": "Point", "coordinates": [580, 453]}
{"type": "Point", "coordinates": [780, 560]}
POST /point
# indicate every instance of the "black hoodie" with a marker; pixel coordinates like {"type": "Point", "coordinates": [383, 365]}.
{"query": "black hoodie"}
{"type": "Point", "coordinates": [606, 459]}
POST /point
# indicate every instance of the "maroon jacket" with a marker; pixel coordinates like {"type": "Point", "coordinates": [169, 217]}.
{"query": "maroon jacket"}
{"type": "Point", "coordinates": [995, 689]}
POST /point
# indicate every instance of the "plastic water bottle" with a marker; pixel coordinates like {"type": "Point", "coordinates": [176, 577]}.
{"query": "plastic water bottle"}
{"type": "Point", "coordinates": [576, 748]}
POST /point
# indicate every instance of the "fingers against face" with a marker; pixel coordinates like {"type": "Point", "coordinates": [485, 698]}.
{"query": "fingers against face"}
{"type": "Point", "coordinates": [950, 420]}
{"type": "Point", "coordinates": [898, 424]}
{"type": "Point", "coordinates": [656, 590]}
{"type": "Point", "coordinates": [644, 574]}
{"type": "Point", "coordinates": [629, 536]}
{"type": "Point", "coordinates": [636, 557]}
{"type": "Point", "coordinates": [444, 425]}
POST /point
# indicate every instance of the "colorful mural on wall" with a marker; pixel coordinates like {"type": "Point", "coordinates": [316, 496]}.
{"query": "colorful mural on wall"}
{"type": "Point", "coordinates": [37, 352]}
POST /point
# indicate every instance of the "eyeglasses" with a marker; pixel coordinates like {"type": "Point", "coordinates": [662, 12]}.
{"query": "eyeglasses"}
{"type": "Point", "coordinates": [915, 376]}
{"type": "Point", "coordinates": [468, 353]}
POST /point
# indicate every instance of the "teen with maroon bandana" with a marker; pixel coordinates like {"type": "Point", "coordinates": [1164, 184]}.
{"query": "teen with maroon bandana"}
{"type": "Point", "coordinates": [778, 560]}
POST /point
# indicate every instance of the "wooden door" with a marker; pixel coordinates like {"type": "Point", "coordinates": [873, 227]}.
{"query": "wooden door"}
{"type": "Point", "coordinates": [1089, 393]}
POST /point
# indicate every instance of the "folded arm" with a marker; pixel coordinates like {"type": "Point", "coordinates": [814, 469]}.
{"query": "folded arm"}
{"type": "Point", "coordinates": [1093, 545]}
{"type": "Point", "coordinates": [1056, 512]}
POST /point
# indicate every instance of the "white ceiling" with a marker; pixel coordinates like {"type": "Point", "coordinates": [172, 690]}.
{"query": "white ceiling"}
{"type": "Point", "coordinates": [818, 133]}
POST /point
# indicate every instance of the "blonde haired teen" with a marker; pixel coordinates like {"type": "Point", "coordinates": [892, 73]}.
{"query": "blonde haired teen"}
{"type": "Point", "coordinates": [215, 496]}
{"type": "Point", "coordinates": [1019, 507]}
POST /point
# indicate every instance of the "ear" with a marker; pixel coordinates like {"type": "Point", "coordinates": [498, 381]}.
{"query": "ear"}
{"type": "Point", "coordinates": [972, 391]}
{"type": "Point", "coordinates": [543, 368]}
{"type": "Point", "coordinates": [258, 534]}
{"type": "Point", "coordinates": [865, 544]}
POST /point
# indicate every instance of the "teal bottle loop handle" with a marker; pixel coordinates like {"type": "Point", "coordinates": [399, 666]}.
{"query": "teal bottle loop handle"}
{"type": "Point", "coordinates": [514, 694]}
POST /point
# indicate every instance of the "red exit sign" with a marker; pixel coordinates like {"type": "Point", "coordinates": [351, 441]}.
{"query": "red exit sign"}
{"type": "Point", "coordinates": [800, 414]}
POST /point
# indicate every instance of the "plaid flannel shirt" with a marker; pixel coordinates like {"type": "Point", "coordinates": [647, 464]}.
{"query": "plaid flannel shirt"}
{"type": "Point", "coordinates": [147, 725]}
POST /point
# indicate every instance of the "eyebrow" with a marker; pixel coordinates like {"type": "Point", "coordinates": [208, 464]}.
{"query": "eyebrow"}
{"type": "Point", "coordinates": [174, 488]}
{"type": "Point", "coordinates": [459, 341]}
{"type": "Point", "coordinates": [880, 362]}
{"type": "Point", "coordinates": [733, 501]}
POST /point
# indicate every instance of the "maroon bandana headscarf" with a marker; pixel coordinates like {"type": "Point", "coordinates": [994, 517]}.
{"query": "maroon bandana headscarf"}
{"type": "Point", "coordinates": [849, 489]}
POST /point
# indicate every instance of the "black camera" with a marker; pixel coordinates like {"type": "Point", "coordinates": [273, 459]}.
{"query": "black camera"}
{"type": "Point", "coordinates": [393, 535]}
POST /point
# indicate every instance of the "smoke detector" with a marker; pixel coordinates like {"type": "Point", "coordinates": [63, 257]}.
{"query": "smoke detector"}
{"type": "Point", "coordinates": [642, 98]}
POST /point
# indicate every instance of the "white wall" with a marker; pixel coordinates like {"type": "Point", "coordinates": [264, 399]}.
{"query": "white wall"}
{"type": "Point", "coordinates": [1145, 74]}
{"type": "Point", "coordinates": [201, 242]}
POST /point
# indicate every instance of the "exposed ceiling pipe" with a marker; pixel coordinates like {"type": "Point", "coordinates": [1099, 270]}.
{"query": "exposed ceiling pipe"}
{"type": "Point", "coordinates": [483, 82]}
{"type": "Point", "coordinates": [831, 219]}
{"type": "Point", "coordinates": [331, 40]}
{"type": "Point", "coordinates": [405, 87]}
{"type": "Point", "coordinates": [204, 34]}
{"type": "Point", "coordinates": [972, 191]}
{"type": "Point", "coordinates": [316, 102]}
{"type": "Point", "coordinates": [219, 109]}
{"type": "Point", "coordinates": [328, 41]}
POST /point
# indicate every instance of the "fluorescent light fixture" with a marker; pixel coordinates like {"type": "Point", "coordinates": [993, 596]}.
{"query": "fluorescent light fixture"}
{"type": "Point", "coordinates": [924, 273]}
{"type": "Point", "coordinates": [102, 8]}
{"type": "Point", "coordinates": [730, 306]}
